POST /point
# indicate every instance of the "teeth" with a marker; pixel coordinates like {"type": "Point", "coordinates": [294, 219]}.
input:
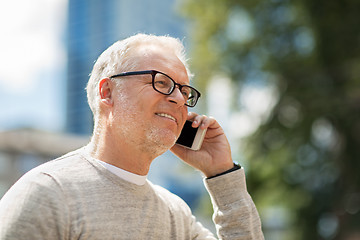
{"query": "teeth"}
{"type": "Point", "coordinates": [166, 115]}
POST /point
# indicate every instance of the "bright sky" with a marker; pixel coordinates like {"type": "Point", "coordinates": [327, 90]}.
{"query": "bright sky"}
{"type": "Point", "coordinates": [33, 61]}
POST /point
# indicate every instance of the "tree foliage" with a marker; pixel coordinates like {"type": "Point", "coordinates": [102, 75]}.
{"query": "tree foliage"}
{"type": "Point", "coordinates": [305, 157]}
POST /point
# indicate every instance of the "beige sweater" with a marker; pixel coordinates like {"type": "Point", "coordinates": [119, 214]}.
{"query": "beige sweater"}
{"type": "Point", "coordinates": [75, 197]}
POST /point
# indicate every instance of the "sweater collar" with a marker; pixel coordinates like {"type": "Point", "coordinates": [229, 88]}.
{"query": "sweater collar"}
{"type": "Point", "coordinates": [139, 180]}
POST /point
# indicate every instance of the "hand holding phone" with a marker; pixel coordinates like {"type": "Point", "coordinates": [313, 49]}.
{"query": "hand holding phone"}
{"type": "Point", "coordinates": [214, 156]}
{"type": "Point", "coordinates": [191, 137]}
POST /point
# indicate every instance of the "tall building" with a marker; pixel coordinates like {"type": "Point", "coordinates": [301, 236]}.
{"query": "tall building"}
{"type": "Point", "coordinates": [93, 25]}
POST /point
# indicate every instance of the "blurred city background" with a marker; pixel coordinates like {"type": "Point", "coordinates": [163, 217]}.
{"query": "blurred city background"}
{"type": "Point", "coordinates": [282, 77]}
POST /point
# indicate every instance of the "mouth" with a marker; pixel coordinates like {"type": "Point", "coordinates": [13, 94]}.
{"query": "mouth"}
{"type": "Point", "coordinates": [165, 115]}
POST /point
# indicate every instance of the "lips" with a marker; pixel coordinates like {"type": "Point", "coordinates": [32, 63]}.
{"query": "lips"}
{"type": "Point", "coordinates": [166, 115]}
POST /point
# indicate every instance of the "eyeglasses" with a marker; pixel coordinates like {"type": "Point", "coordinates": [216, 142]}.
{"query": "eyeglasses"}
{"type": "Point", "coordinates": [164, 84]}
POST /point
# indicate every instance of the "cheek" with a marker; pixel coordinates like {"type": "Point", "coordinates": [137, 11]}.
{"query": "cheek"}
{"type": "Point", "coordinates": [125, 106]}
{"type": "Point", "coordinates": [184, 118]}
{"type": "Point", "coordinates": [133, 107]}
{"type": "Point", "coordinates": [185, 114]}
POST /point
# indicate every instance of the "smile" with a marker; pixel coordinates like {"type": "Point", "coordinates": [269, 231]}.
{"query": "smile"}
{"type": "Point", "coordinates": [166, 116]}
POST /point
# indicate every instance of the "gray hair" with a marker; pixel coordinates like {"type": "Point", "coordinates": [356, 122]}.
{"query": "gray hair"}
{"type": "Point", "coordinates": [117, 58]}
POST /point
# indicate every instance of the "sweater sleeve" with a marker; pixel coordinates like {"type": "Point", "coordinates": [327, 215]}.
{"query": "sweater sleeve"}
{"type": "Point", "coordinates": [33, 210]}
{"type": "Point", "coordinates": [235, 215]}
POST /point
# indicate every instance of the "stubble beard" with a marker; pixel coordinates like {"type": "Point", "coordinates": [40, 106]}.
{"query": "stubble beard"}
{"type": "Point", "coordinates": [141, 133]}
{"type": "Point", "coordinates": [160, 140]}
{"type": "Point", "coordinates": [152, 140]}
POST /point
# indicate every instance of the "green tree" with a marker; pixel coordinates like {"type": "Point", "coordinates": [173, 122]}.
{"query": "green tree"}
{"type": "Point", "coordinates": [305, 157]}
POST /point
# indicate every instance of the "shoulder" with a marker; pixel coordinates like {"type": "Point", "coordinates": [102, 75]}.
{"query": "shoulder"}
{"type": "Point", "coordinates": [50, 175]}
{"type": "Point", "coordinates": [71, 166]}
{"type": "Point", "coordinates": [165, 193]}
{"type": "Point", "coordinates": [37, 203]}
{"type": "Point", "coordinates": [72, 160]}
{"type": "Point", "coordinates": [171, 199]}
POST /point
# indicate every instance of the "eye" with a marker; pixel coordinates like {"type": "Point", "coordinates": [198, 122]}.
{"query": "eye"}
{"type": "Point", "coordinates": [163, 86]}
{"type": "Point", "coordinates": [162, 81]}
{"type": "Point", "coordinates": [186, 92]}
{"type": "Point", "coordinates": [159, 82]}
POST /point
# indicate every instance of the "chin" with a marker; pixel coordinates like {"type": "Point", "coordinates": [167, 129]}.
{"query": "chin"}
{"type": "Point", "coordinates": [162, 139]}
{"type": "Point", "coordinates": [167, 140]}
{"type": "Point", "coordinates": [159, 147]}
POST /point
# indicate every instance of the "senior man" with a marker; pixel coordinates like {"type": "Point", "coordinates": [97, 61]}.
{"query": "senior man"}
{"type": "Point", "coordinates": [139, 93]}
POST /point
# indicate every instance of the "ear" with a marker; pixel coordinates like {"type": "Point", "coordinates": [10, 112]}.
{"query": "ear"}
{"type": "Point", "coordinates": [105, 91]}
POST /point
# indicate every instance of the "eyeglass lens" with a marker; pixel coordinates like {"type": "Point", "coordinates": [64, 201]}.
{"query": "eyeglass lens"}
{"type": "Point", "coordinates": [165, 85]}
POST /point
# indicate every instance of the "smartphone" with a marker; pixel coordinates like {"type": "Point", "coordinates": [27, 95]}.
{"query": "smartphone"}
{"type": "Point", "coordinates": [191, 137]}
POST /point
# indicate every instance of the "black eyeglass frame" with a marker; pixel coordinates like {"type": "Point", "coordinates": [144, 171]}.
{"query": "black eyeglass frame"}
{"type": "Point", "coordinates": [153, 74]}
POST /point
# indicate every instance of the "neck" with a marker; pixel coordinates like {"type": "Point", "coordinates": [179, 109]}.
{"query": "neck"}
{"type": "Point", "coordinates": [121, 152]}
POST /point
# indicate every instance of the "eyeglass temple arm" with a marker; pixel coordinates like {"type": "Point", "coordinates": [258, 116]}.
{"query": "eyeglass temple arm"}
{"type": "Point", "coordinates": [132, 73]}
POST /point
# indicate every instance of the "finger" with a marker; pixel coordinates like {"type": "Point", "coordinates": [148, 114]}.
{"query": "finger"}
{"type": "Point", "coordinates": [201, 121]}
{"type": "Point", "coordinates": [198, 120]}
{"type": "Point", "coordinates": [195, 118]}
{"type": "Point", "coordinates": [207, 122]}
{"type": "Point", "coordinates": [191, 116]}
{"type": "Point", "coordinates": [204, 121]}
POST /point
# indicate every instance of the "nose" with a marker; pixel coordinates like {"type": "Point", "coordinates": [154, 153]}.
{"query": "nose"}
{"type": "Point", "coordinates": [177, 97]}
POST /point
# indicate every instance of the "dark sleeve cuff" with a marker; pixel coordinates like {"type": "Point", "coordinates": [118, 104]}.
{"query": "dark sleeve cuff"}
{"type": "Point", "coordinates": [236, 167]}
